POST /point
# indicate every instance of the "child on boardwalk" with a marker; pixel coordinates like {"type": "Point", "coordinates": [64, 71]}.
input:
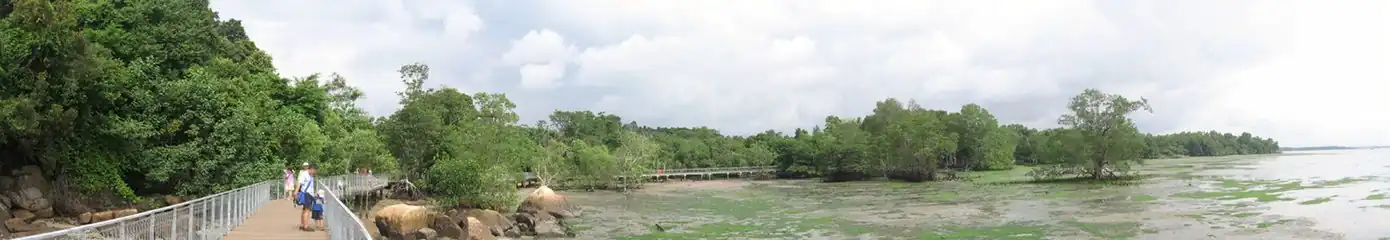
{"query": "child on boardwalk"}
{"type": "Point", "coordinates": [317, 210]}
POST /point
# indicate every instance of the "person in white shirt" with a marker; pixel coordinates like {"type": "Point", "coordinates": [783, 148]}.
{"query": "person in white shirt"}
{"type": "Point", "coordinates": [302, 176]}
{"type": "Point", "coordinates": [307, 188]}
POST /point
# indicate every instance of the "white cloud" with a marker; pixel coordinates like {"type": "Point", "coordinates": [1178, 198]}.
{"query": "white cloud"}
{"type": "Point", "coordinates": [1303, 73]}
{"type": "Point", "coordinates": [542, 57]}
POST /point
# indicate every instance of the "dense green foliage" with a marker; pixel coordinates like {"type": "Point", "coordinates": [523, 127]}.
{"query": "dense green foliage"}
{"type": "Point", "coordinates": [147, 96]}
{"type": "Point", "coordinates": [125, 98]}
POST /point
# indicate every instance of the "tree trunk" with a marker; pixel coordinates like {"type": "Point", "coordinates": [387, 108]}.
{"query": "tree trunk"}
{"type": "Point", "coordinates": [1099, 172]}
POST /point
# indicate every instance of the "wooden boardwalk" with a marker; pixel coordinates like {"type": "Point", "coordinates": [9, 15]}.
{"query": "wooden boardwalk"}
{"type": "Point", "coordinates": [279, 219]}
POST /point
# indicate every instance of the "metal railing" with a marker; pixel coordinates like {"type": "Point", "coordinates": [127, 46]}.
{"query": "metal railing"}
{"type": "Point", "coordinates": [213, 216]}
{"type": "Point", "coordinates": [339, 219]}
{"type": "Point", "coordinates": [208, 217]}
{"type": "Point", "coordinates": [679, 171]}
{"type": "Point", "coordinates": [717, 170]}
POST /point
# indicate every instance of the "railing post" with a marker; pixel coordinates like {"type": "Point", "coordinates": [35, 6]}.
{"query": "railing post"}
{"type": "Point", "coordinates": [203, 221]}
{"type": "Point", "coordinates": [174, 223]}
{"type": "Point", "coordinates": [190, 222]}
{"type": "Point", "coordinates": [151, 221]}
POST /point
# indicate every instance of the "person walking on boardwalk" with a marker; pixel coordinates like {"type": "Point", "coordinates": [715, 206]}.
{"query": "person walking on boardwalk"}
{"type": "Point", "coordinates": [306, 196]}
{"type": "Point", "coordinates": [289, 182]}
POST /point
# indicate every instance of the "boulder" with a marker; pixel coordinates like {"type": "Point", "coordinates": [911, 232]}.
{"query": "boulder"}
{"type": "Point", "coordinates": [18, 225]}
{"type": "Point", "coordinates": [30, 176]}
{"type": "Point", "coordinates": [84, 218]}
{"type": "Point", "coordinates": [426, 234]}
{"type": "Point", "coordinates": [512, 233]}
{"type": "Point", "coordinates": [478, 231]}
{"type": "Point", "coordinates": [5, 201]}
{"type": "Point", "coordinates": [402, 219]}
{"type": "Point", "coordinates": [5, 213]}
{"type": "Point", "coordinates": [44, 213]}
{"type": "Point", "coordinates": [545, 200]}
{"type": "Point", "coordinates": [171, 200]}
{"type": "Point", "coordinates": [539, 224]}
{"type": "Point", "coordinates": [103, 216]}
{"type": "Point", "coordinates": [448, 227]}
{"type": "Point", "coordinates": [550, 228]}
{"type": "Point", "coordinates": [125, 212]}
{"type": "Point", "coordinates": [495, 222]}
{"type": "Point", "coordinates": [30, 198]}
{"type": "Point", "coordinates": [24, 214]}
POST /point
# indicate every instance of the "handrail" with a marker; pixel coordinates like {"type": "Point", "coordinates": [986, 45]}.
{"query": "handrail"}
{"type": "Point", "coordinates": [713, 170]}
{"type": "Point", "coordinates": [49, 235]}
{"type": "Point", "coordinates": [337, 212]}
{"type": "Point", "coordinates": [212, 216]}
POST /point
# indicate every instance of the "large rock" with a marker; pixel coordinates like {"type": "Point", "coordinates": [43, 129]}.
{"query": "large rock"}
{"type": "Point", "coordinates": [103, 216]}
{"type": "Point", "coordinates": [171, 200]}
{"type": "Point", "coordinates": [29, 198]}
{"type": "Point", "coordinates": [125, 212]}
{"type": "Point", "coordinates": [30, 176]}
{"type": "Point", "coordinates": [44, 213]}
{"type": "Point", "coordinates": [545, 200]}
{"type": "Point", "coordinates": [540, 224]}
{"type": "Point", "coordinates": [402, 220]}
{"type": "Point", "coordinates": [93, 217]}
{"type": "Point", "coordinates": [448, 227]}
{"type": "Point", "coordinates": [18, 225]}
{"type": "Point", "coordinates": [478, 231]}
{"type": "Point", "coordinates": [84, 218]}
{"type": "Point", "coordinates": [494, 221]}
{"type": "Point", "coordinates": [426, 234]}
{"type": "Point", "coordinates": [24, 214]}
{"type": "Point", "coordinates": [550, 228]}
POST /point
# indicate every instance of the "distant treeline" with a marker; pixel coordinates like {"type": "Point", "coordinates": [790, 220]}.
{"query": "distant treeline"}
{"type": "Point", "coordinates": [913, 143]}
{"type": "Point", "coordinates": [1321, 148]}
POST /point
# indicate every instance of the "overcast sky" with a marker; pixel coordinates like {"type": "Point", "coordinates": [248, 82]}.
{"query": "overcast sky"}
{"type": "Point", "coordinates": [1303, 72]}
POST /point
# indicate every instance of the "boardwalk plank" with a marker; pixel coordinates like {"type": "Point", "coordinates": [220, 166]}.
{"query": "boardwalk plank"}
{"type": "Point", "coordinates": [277, 220]}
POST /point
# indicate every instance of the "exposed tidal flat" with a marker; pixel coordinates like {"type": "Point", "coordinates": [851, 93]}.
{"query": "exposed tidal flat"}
{"type": "Point", "coordinates": [1312, 195]}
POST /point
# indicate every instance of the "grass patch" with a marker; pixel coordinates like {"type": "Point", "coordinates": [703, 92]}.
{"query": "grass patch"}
{"type": "Point", "coordinates": [1109, 230]}
{"type": "Point", "coordinates": [1271, 224]}
{"type": "Point", "coordinates": [1142, 198]}
{"type": "Point", "coordinates": [1244, 214]}
{"type": "Point", "coordinates": [1378, 196]}
{"type": "Point", "coordinates": [1007, 231]}
{"type": "Point", "coordinates": [1260, 190]}
{"type": "Point", "coordinates": [1317, 201]}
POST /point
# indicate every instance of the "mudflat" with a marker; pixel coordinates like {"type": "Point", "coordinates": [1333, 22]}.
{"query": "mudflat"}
{"type": "Point", "coordinates": [1315, 195]}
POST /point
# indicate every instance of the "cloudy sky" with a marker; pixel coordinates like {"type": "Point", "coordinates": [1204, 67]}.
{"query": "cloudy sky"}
{"type": "Point", "coordinates": [1303, 72]}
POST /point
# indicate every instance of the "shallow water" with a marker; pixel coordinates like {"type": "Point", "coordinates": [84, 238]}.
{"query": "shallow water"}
{"type": "Point", "coordinates": [1313, 195]}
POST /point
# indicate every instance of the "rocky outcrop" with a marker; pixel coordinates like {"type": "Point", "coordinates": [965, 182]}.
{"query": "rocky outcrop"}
{"type": "Point", "coordinates": [478, 231]}
{"type": "Point", "coordinates": [402, 221]}
{"type": "Point", "coordinates": [448, 227]}
{"type": "Point", "coordinates": [492, 222]}
{"type": "Point", "coordinates": [92, 217]}
{"type": "Point", "coordinates": [23, 199]}
{"type": "Point", "coordinates": [543, 214]}
{"type": "Point", "coordinates": [545, 200]}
